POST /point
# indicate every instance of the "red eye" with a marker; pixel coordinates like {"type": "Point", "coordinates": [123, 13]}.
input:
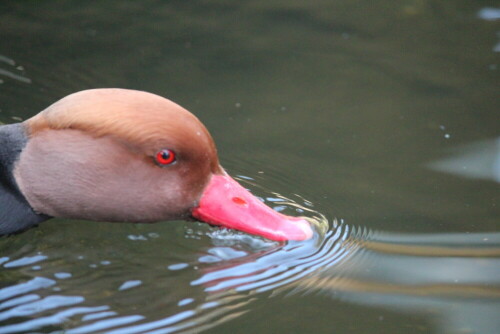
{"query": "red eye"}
{"type": "Point", "coordinates": [165, 157]}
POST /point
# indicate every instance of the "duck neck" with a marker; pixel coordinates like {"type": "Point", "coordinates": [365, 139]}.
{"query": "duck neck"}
{"type": "Point", "coordinates": [15, 212]}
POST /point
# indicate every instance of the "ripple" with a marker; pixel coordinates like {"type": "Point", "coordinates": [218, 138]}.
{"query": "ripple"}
{"type": "Point", "coordinates": [25, 261]}
{"type": "Point", "coordinates": [130, 284]}
{"type": "Point", "coordinates": [21, 288]}
{"type": "Point", "coordinates": [230, 272]}
{"type": "Point", "coordinates": [222, 274]}
{"type": "Point", "coordinates": [13, 71]}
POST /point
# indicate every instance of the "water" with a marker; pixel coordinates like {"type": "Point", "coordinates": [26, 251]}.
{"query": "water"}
{"type": "Point", "coordinates": [379, 121]}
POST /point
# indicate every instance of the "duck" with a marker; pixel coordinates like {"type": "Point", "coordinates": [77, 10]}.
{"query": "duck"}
{"type": "Point", "coordinates": [122, 155]}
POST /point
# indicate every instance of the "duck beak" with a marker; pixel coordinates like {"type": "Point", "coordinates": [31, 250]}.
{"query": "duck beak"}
{"type": "Point", "coordinates": [226, 203]}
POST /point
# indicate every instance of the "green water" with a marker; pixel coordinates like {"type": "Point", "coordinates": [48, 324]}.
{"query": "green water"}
{"type": "Point", "coordinates": [349, 105]}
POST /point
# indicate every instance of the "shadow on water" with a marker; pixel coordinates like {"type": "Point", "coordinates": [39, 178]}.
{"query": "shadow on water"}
{"type": "Point", "coordinates": [451, 277]}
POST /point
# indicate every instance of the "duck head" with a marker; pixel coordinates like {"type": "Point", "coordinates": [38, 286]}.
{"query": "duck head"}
{"type": "Point", "coordinates": [127, 156]}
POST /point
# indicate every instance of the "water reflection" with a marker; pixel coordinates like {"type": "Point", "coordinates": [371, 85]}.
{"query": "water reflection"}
{"type": "Point", "coordinates": [9, 69]}
{"type": "Point", "coordinates": [453, 279]}
{"type": "Point", "coordinates": [489, 13]}
{"type": "Point", "coordinates": [479, 160]}
{"type": "Point", "coordinates": [455, 276]}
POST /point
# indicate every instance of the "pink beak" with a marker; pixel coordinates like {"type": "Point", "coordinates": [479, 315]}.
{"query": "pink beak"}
{"type": "Point", "coordinates": [226, 203]}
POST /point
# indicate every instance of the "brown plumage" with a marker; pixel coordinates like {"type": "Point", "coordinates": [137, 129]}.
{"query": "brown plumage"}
{"type": "Point", "coordinates": [94, 155]}
{"type": "Point", "coordinates": [144, 120]}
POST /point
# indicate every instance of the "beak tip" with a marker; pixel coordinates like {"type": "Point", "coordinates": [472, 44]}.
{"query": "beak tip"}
{"type": "Point", "coordinates": [305, 229]}
{"type": "Point", "coordinates": [226, 203]}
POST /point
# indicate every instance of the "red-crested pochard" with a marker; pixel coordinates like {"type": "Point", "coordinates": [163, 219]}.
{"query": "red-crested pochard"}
{"type": "Point", "coordinates": [124, 156]}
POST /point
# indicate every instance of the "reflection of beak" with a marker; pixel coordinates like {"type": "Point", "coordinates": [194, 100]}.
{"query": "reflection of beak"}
{"type": "Point", "coordinates": [226, 203]}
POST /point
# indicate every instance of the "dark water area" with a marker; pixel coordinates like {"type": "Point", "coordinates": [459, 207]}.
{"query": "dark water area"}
{"type": "Point", "coordinates": [377, 121]}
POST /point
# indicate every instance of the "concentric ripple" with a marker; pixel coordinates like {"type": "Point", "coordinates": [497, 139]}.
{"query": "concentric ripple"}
{"type": "Point", "coordinates": [216, 275]}
{"type": "Point", "coordinates": [232, 272]}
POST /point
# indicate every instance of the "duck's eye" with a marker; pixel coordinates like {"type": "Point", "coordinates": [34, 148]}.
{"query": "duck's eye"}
{"type": "Point", "coordinates": [165, 157]}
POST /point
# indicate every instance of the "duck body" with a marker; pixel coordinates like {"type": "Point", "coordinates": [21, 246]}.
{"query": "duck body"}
{"type": "Point", "coordinates": [15, 212]}
{"type": "Point", "coordinates": [124, 156]}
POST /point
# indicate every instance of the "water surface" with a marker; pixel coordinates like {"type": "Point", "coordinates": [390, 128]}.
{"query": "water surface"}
{"type": "Point", "coordinates": [379, 121]}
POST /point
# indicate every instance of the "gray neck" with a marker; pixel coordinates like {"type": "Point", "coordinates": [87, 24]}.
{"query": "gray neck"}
{"type": "Point", "coordinates": [15, 212]}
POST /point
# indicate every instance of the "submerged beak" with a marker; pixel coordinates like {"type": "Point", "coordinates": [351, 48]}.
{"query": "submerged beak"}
{"type": "Point", "coordinates": [226, 203]}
